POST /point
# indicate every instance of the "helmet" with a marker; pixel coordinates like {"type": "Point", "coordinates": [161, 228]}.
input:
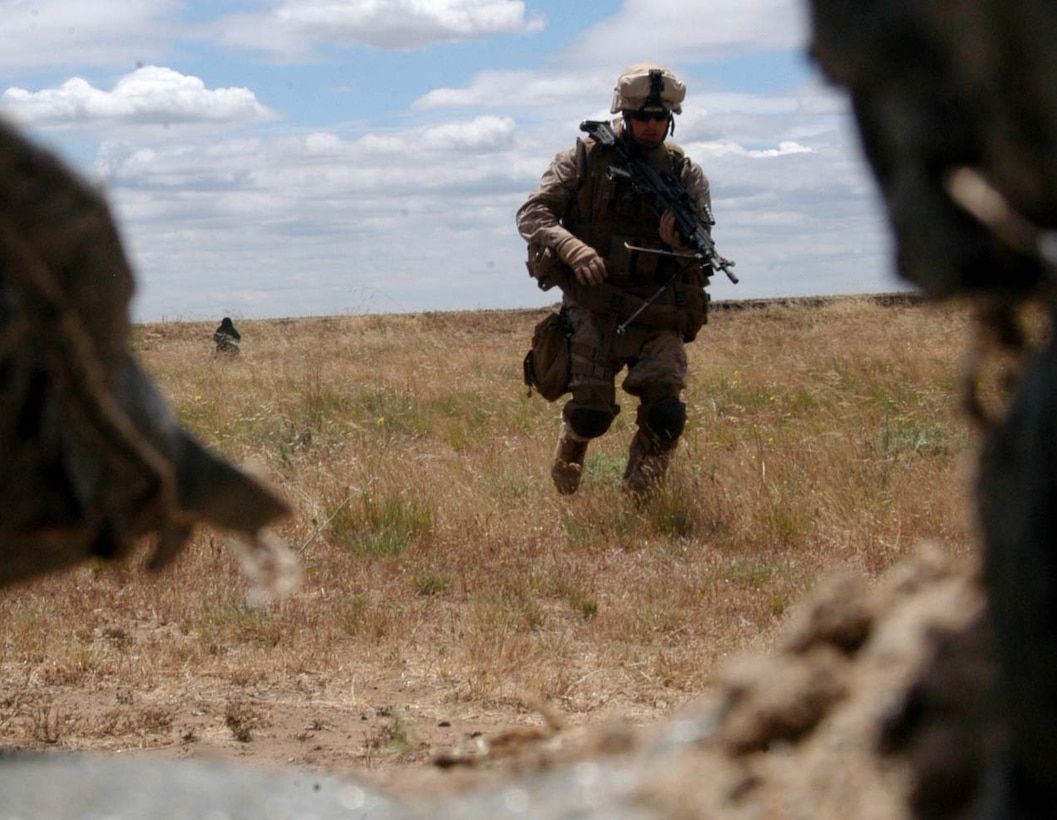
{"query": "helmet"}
{"type": "Point", "coordinates": [647, 86]}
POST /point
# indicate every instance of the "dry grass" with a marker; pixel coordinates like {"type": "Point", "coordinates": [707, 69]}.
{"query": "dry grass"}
{"type": "Point", "coordinates": [437, 556]}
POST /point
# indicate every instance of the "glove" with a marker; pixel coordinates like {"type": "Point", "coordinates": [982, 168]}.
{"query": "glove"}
{"type": "Point", "coordinates": [670, 235]}
{"type": "Point", "coordinates": [588, 267]}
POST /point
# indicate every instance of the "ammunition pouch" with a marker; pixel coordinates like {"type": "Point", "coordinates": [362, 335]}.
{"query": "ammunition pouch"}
{"type": "Point", "coordinates": [694, 311]}
{"type": "Point", "coordinates": [548, 364]}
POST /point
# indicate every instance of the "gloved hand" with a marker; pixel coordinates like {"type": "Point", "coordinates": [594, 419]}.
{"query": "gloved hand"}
{"type": "Point", "coordinates": [670, 235]}
{"type": "Point", "coordinates": [587, 265]}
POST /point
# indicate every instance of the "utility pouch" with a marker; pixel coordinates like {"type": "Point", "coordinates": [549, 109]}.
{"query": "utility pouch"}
{"type": "Point", "coordinates": [694, 311]}
{"type": "Point", "coordinates": [548, 364]}
{"type": "Point", "coordinates": [545, 267]}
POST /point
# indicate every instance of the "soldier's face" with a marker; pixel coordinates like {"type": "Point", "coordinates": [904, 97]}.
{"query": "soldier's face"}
{"type": "Point", "coordinates": [648, 128]}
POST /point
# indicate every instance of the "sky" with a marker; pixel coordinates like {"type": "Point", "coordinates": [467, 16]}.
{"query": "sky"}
{"type": "Point", "coordinates": [281, 158]}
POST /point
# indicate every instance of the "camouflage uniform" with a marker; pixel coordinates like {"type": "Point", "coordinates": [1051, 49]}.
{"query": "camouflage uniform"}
{"type": "Point", "coordinates": [575, 197]}
{"type": "Point", "coordinates": [227, 338]}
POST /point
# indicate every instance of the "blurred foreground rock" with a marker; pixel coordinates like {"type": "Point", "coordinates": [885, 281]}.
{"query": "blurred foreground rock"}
{"type": "Point", "coordinates": [957, 109]}
{"type": "Point", "coordinates": [91, 458]}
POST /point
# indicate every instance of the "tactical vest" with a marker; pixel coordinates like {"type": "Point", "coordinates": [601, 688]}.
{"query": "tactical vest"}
{"type": "Point", "coordinates": [608, 213]}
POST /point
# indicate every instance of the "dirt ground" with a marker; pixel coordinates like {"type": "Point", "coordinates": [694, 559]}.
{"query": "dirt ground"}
{"type": "Point", "coordinates": [872, 701]}
{"type": "Point", "coordinates": [388, 724]}
{"type": "Point", "coordinates": [386, 727]}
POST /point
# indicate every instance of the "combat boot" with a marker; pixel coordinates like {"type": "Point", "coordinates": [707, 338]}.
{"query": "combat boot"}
{"type": "Point", "coordinates": [568, 466]}
{"type": "Point", "coordinates": [648, 460]}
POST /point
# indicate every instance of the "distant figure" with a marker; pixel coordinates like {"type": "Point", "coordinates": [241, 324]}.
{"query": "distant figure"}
{"type": "Point", "coordinates": [227, 338]}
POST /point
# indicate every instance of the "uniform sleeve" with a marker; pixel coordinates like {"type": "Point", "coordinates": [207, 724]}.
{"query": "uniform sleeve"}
{"type": "Point", "coordinates": [539, 219]}
{"type": "Point", "coordinates": [697, 186]}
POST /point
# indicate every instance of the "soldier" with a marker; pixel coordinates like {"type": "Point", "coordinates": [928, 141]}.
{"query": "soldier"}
{"type": "Point", "coordinates": [227, 337]}
{"type": "Point", "coordinates": [584, 221]}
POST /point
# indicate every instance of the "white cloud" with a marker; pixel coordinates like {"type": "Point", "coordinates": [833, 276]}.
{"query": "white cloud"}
{"type": "Point", "coordinates": [338, 221]}
{"type": "Point", "coordinates": [673, 31]}
{"type": "Point", "coordinates": [296, 27]}
{"type": "Point", "coordinates": [483, 134]}
{"type": "Point", "coordinates": [149, 95]}
{"type": "Point", "coordinates": [421, 217]}
{"type": "Point", "coordinates": [59, 33]}
{"type": "Point", "coordinates": [320, 165]}
{"type": "Point", "coordinates": [784, 148]}
{"type": "Point", "coordinates": [676, 31]}
{"type": "Point", "coordinates": [393, 209]}
{"type": "Point", "coordinates": [519, 89]}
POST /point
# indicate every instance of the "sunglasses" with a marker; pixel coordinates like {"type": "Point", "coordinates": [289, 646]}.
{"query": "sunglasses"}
{"type": "Point", "coordinates": [643, 116]}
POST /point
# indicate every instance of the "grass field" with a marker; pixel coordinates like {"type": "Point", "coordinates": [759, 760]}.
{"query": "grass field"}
{"type": "Point", "coordinates": [447, 590]}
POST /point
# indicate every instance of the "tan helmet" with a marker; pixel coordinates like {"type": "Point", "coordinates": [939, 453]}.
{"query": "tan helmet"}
{"type": "Point", "coordinates": [647, 86]}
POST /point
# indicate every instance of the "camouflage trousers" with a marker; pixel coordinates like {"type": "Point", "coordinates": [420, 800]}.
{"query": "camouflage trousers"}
{"type": "Point", "coordinates": [656, 374]}
{"type": "Point", "coordinates": [655, 360]}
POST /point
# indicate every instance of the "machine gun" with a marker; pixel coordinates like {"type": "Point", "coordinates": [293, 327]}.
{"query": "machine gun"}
{"type": "Point", "coordinates": [665, 192]}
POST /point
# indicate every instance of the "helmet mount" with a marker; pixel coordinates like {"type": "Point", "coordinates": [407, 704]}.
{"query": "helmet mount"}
{"type": "Point", "coordinates": [653, 100]}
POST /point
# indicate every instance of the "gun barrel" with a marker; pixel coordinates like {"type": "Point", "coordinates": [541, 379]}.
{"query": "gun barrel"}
{"type": "Point", "coordinates": [725, 265]}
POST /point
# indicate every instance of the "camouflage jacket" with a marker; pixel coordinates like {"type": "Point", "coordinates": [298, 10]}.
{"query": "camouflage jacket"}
{"type": "Point", "coordinates": [576, 197]}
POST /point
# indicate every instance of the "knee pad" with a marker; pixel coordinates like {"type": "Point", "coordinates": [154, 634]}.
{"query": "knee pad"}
{"type": "Point", "coordinates": [666, 419]}
{"type": "Point", "coordinates": [589, 422]}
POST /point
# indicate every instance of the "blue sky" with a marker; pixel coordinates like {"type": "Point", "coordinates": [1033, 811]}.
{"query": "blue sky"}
{"type": "Point", "coordinates": [315, 157]}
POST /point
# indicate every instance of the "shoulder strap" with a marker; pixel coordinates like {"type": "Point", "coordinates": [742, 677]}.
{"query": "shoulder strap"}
{"type": "Point", "coordinates": [582, 148]}
{"type": "Point", "coordinates": [678, 156]}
